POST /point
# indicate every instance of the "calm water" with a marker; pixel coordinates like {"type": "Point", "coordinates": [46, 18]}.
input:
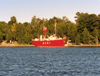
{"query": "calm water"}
{"type": "Point", "coordinates": [32, 61]}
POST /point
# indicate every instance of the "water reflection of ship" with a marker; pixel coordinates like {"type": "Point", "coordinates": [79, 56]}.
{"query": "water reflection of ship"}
{"type": "Point", "coordinates": [49, 41]}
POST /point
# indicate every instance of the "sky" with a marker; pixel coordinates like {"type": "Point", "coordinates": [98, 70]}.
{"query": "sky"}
{"type": "Point", "coordinates": [24, 10]}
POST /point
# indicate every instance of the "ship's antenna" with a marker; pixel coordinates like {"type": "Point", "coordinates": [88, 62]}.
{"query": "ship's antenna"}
{"type": "Point", "coordinates": [55, 27]}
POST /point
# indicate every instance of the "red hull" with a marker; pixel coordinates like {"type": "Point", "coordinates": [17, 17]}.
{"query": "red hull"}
{"type": "Point", "coordinates": [50, 43]}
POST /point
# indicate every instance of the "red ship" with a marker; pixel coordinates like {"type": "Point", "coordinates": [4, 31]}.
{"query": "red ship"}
{"type": "Point", "coordinates": [51, 41]}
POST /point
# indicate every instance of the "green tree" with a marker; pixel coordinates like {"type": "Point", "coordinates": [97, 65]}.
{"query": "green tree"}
{"type": "Point", "coordinates": [81, 21]}
{"type": "Point", "coordinates": [20, 32]}
{"type": "Point", "coordinates": [1, 37]}
{"type": "Point", "coordinates": [12, 20]}
{"type": "Point", "coordinates": [72, 31]}
{"type": "Point", "coordinates": [86, 36]}
{"type": "Point", "coordinates": [95, 34]}
{"type": "Point", "coordinates": [4, 29]}
{"type": "Point", "coordinates": [33, 21]}
{"type": "Point", "coordinates": [77, 39]}
{"type": "Point", "coordinates": [9, 36]}
{"type": "Point", "coordinates": [27, 38]}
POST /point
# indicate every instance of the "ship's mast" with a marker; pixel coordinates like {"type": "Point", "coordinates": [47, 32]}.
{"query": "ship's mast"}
{"type": "Point", "coordinates": [55, 27]}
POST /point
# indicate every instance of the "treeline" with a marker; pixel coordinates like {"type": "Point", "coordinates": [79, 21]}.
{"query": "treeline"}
{"type": "Point", "coordinates": [86, 30]}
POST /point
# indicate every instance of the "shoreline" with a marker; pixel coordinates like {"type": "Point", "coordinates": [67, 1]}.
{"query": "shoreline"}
{"type": "Point", "coordinates": [26, 45]}
{"type": "Point", "coordinates": [16, 45]}
{"type": "Point", "coordinates": [83, 45]}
